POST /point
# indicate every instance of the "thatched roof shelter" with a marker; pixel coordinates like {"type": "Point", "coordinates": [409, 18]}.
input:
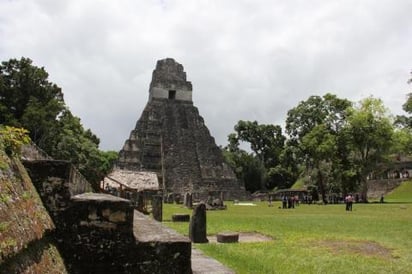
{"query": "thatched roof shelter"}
{"type": "Point", "coordinates": [133, 180]}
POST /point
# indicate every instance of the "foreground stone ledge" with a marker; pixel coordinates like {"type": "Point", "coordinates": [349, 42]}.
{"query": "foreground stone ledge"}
{"type": "Point", "coordinates": [103, 211]}
{"type": "Point", "coordinates": [161, 249]}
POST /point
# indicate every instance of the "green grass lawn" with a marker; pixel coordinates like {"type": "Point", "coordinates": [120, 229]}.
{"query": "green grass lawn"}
{"type": "Point", "coordinates": [373, 238]}
{"type": "Point", "coordinates": [401, 194]}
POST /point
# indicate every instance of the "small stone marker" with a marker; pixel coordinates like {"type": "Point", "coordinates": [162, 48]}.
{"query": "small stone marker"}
{"type": "Point", "coordinates": [157, 207]}
{"type": "Point", "coordinates": [187, 201]}
{"type": "Point", "coordinates": [227, 237]}
{"type": "Point", "coordinates": [197, 227]}
{"type": "Point", "coordinates": [180, 217]}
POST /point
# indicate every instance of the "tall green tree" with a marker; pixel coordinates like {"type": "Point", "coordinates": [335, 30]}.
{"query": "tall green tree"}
{"type": "Point", "coordinates": [370, 132]}
{"type": "Point", "coordinates": [28, 99]}
{"type": "Point", "coordinates": [72, 142]}
{"type": "Point", "coordinates": [267, 143]}
{"type": "Point", "coordinates": [407, 106]}
{"type": "Point", "coordinates": [320, 146]}
{"type": "Point", "coordinates": [402, 139]}
{"type": "Point", "coordinates": [403, 120]}
{"type": "Point", "coordinates": [314, 128]}
{"type": "Point", "coordinates": [402, 142]}
{"type": "Point", "coordinates": [247, 167]}
{"type": "Point", "coordinates": [316, 110]}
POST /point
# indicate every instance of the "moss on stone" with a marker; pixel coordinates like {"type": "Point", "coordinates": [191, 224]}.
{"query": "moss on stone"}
{"type": "Point", "coordinates": [24, 224]}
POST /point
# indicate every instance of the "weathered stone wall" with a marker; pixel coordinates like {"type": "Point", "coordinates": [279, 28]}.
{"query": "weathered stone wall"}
{"type": "Point", "coordinates": [169, 82]}
{"type": "Point", "coordinates": [98, 235]}
{"type": "Point", "coordinates": [26, 229]}
{"type": "Point", "coordinates": [180, 95]}
{"type": "Point", "coordinates": [105, 235]}
{"type": "Point", "coordinates": [56, 182]}
{"type": "Point", "coordinates": [77, 183]}
{"type": "Point", "coordinates": [33, 152]}
{"type": "Point", "coordinates": [376, 188]}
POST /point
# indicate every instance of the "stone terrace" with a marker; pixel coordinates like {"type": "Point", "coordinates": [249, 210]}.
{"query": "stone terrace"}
{"type": "Point", "coordinates": [148, 232]}
{"type": "Point", "coordinates": [100, 233]}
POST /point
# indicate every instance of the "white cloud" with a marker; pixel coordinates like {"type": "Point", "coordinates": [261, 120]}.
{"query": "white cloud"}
{"type": "Point", "coordinates": [251, 60]}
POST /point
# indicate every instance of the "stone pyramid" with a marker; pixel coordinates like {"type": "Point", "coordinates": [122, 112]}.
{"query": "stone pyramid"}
{"type": "Point", "coordinates": [171, 139]}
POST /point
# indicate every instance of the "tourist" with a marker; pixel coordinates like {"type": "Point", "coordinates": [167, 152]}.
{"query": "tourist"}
{"type": "Point", "coordinates": [290, 202]}
{"type": "Point", "coordinates": [284, 201]}
{"type": "Point", "coordinates": [270, 201]}
{"type": "Point", "coordinates": [349, 202]}
{"type": "Point", "coordinates": [296, 200]}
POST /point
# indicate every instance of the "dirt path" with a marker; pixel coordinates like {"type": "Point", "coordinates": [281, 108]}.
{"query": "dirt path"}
{"type": "Point", "coordinates": [246, 237]}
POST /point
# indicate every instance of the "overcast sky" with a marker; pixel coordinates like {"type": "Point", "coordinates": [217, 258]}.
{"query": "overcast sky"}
{"type": "Point", "coordinates": [249, 60]}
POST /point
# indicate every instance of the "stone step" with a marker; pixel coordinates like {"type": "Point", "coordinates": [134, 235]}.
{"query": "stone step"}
{"type": "Point", "coordinates": [172, 248]}
{"type": "Point", "coordinates": [151, 153]}
{"type": "Point", "coordinates": [152, 137]}
{"type": "Point", "coordinates": [154, 241]}
{"type": "Point", "coordinates": [151, 148]}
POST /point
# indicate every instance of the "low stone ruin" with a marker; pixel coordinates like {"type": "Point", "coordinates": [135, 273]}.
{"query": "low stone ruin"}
{"type": "Point", "coordinates": [101, 233]}
{"type": "Point", "coordinates": [215, 203]}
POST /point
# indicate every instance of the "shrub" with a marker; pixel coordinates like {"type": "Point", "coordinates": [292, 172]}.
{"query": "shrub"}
{"type": "Point", "coordinates": [12, 139]}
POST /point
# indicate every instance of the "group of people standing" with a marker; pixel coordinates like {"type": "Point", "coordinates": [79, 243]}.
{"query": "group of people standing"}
{"type": "Point", "coordinates": [290, 201]}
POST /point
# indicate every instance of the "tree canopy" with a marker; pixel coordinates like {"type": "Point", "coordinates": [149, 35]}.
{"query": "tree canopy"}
{"type": "Point", "coordinates": [333, 144]}
{"type": "Point", "coordinates": [266, 164]}
{"type": "Point", "coordinates": [314, 127]}
{"type": "Point", "coordinates": [370, 132]}
{"type": "Point", "coordinates": [29, 100]}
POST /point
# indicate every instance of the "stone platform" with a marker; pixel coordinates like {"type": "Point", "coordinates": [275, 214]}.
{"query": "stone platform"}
{"type": "Point", "coordinates": [151, 234]}
{"type": "Point", "coordinates": [159, 248]}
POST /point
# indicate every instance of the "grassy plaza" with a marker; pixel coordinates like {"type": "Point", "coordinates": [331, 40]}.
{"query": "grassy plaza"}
{"type": "Point", "coordinates": [373, 238]}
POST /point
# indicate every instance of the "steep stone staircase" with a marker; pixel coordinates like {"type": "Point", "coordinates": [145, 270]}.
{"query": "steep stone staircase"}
{"type": "Point", "coordinates": [172, 140]}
